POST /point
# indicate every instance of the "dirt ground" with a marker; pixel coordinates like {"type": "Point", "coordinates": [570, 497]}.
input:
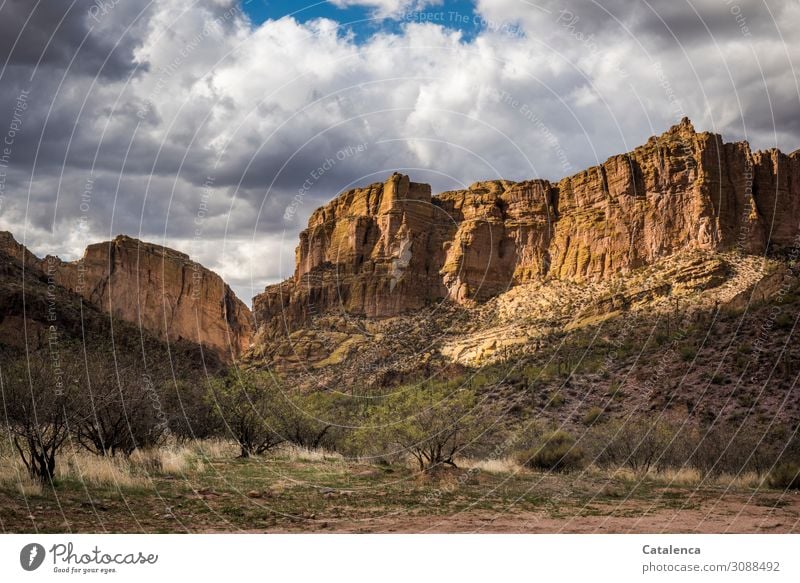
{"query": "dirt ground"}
{"type": "Point", "coordinates": [285, 495]}
{"type": "Point", "coordinates": [734, 514]}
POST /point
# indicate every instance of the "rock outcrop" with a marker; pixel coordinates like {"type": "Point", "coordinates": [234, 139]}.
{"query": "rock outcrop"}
{"type": "Point", "coordinates": [393, 248]}
{"type": "Point", "coordinates": [157, 288]}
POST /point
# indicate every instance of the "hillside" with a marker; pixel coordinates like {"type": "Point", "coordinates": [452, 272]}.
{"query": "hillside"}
{"type": "Point", "coordinates": [646, 282]}
{"type": "Point", "coordinates": [156, 288]}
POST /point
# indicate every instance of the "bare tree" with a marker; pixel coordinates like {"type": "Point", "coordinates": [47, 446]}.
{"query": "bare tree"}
{"type": "Point", "coordinates": [434, 423]}
{"type": "Point", "coordinates": [38, 395]}
{"type": "Point", "coordinates": [249, 409]}
{"type": "Point", "coordinates": [121, 408]}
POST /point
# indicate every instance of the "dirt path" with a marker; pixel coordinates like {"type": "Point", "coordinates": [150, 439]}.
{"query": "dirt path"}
{"type": "Point", "coordinates": [734, 515]}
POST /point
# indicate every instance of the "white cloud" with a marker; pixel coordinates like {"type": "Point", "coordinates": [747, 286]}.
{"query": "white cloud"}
{"type": "Point", "coordinates": [259, 110]}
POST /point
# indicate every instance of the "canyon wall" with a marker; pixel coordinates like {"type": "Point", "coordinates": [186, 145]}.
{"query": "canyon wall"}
{"type": "Point", "coordinates": [393, 248]}
{"type": "Point", "coordinates": [157, 288]}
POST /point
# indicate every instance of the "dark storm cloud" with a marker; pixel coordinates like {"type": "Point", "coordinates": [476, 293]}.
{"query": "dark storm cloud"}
{"type": "Point", "coordinates": [62, 34]}
{"type": "Point", "coordinates": [216, 136]}
{"type": "Point", "coordinates": [695, 22]}
{"type": "Point", "coordinates": [670, 21]}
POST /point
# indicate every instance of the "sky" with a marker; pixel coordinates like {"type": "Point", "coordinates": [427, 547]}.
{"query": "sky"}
{"type": "Point", "coordinates": [217, 126]}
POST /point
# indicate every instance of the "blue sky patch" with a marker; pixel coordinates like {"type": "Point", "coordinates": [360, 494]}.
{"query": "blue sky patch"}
{"type": "Point", "coordinates": [451, 14]}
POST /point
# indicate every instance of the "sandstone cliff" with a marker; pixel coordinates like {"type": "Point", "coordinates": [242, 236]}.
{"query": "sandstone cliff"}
{"type": "Point", "coordinates": [393, 248]}
{"type": "Point", "coordinates": [157, 288]}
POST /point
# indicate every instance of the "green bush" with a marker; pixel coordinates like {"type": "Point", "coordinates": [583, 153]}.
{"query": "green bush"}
{"type": "Point", "coordinates": [555, 400]}
{"type": "Point", "coordinates": [434, 422]}
{"type": "Point", "coordinates": [785, 476]}
{"type": "Point", "coordinates": [688, 353]}
{"type": "Point", "coordinates": [556, 452]}
{"type": "Point", "coordinates": [592, 416]}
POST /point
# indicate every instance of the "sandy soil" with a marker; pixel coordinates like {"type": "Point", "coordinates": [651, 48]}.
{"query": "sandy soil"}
{"type": "Point", "coordinates": [732, 515]}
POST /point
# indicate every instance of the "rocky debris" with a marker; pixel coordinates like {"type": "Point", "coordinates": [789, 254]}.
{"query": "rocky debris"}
{"type": "Point", "coordinates": [157, 288]}
{"type": "Point", "coordinates": [393, 249]}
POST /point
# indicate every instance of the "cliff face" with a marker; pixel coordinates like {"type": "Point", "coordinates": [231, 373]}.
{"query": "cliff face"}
{"type": "Point", "coordinates": [393, 248]}
{"type": "Point", "coordinates": [154, 287]}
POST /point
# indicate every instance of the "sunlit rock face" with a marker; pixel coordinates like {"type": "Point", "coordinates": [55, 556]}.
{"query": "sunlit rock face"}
{"type": "Point", "coordinates": [157, 288]}
{"type": "Point", "coordinates": [393, 248]}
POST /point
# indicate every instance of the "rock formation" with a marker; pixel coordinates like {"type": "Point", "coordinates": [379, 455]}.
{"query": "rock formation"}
{"type": "Point", "coordinates": [157, 288]}
{"type": "Point", "coordinates": [393, 248]}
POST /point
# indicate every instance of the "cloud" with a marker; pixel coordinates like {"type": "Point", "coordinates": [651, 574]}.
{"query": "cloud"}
{"type": "Point", "coordinates": [70, 35]}
{"type": "Point", "coordinates": [387, 8]}
{"type": "Point", "coordinates": [172, 111]}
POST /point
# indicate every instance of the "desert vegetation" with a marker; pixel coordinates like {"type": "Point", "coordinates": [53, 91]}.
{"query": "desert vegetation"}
{"type": "Point", "coordinates": [116, 408]}
{"type": "Point", "coordinates": [550, 434]}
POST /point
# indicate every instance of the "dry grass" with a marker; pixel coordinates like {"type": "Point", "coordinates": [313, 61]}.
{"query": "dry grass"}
{"type": "Point", "coordinates": [741, 481]}
{"type": "Point", "coordinates": [121, 472]}
{"type": "Point", "coordinates": [690, 477]}
{"type": "Point", "coordinates": [215, 448]}
{"type": "Point", "coordinates": [14, 475]}
{"type": "Point", "coordinates": [678, 476]}
{"type": "Point", "coordinates": [97, 470]}
{"type": "Point", "coordinates": [310, 455]}
{"type": "Point", "coordinates": [492, 466]}
{"type": "Point", "coordinates": [173, 460]}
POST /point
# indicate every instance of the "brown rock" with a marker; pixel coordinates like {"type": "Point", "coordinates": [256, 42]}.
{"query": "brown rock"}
{"type": "Point", "coordinates": [392, 248]}
{"type": "Point", "coordinates": [155, 287]}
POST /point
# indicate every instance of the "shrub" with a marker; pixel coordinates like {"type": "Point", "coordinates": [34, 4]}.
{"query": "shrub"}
{"type": "Point", "coordinates": [718, 379]}
{"type": "Point", "coordinates": [555, 400]}
{"type": "Point", "coordinates": [556, 452]}
{"type": "Point", "coordinates": [39, 401]}
{"type": "Point", "coordinates": [785, 476]}
{"type": "Point", "coordinates": [688, 353]}
{"type": "Point", "coordinates": [120, 405]}
{"type": "Point", "coordinates": [249, 407]}
{"type": "Point", "coordinates": [434, 423]}
{"type": "Point", "coordinates": [592, 416]}
{"type": "Point", "coordinates": [636, 443]}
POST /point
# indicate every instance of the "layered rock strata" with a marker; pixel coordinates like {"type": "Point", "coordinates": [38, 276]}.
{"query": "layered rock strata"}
{"type": "Point", "coordinates": [157, 288]}
{"type": "Point", "coordinates": [393, 248]}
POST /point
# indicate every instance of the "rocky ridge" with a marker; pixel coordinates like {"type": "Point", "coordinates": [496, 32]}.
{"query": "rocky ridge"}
{"type": "Point", "coordinates": [393, 249]}
{"type": "Point", "coordinates": [159, 289]}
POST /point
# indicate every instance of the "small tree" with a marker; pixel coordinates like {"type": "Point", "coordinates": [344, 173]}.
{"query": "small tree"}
{"type": "Point", "coordinates": [249, 406]}
{"type": "Point", "coordinates": [38, 395]}
{"type": "Point", "coordinates": [434, 422]}
{"type": "Point", "coordinates": [314, 420]}
{"type": "Point", "coordinates": [636, 443]}
{"type": "Point", "coordinates": [121, 406]}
